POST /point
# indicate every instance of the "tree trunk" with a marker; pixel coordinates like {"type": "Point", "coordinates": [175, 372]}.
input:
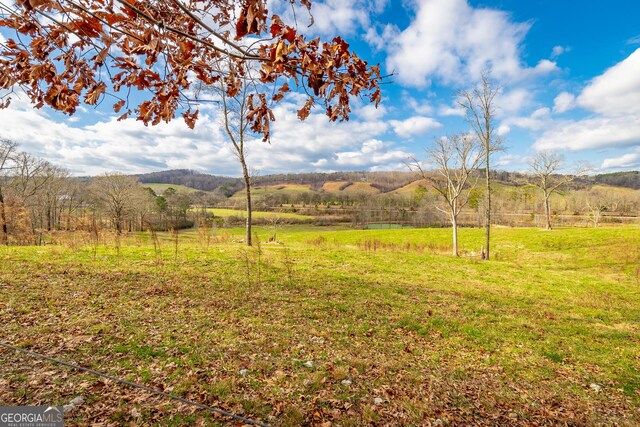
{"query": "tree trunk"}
{"type": "Point", "coordinates": [247, 188]}
{"type": "Point", "coordinates": [68, 226]}
{"type": "Point", "coordinates": [596, 218]}
{"type": "Point", "coordinates": [118, 221]}
{"type": "Point", "coordinates": [454, 225]}
{"type": "Point", "coordinates": [3, 220]}
{"type": "Point", "coordinates": [547, 211]}
{"type": "Point", "coordinates": [487, 214]}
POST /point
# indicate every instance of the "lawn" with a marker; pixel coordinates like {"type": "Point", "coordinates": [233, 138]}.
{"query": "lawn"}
{"type": "Point", "coordinates": [331, 327]}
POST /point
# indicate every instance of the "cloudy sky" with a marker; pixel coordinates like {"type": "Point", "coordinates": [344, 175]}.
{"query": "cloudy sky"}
{"type": "Point", "coordinates": [569, 72]}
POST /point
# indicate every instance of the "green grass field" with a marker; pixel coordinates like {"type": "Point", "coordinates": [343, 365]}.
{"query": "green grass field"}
{"type": "Point", "coordinates": [331, 327]}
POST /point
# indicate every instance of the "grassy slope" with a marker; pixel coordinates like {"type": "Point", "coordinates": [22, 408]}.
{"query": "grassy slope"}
{"type": "Point", "coordinates": [260, 191]}
{"type": "Point", "coordinates": [514, 341]}
{"type": "Point", "coordinates": [361, 187]}
{"type": "Point", "coordinates": [411, 187]}
{"type": "Point", "coordinates": [354, 187]}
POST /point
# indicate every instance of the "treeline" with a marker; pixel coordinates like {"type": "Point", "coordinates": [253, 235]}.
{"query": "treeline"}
{"type": "Point", "coordinates": [200, 181]}
{"type": "Point", "coordinates": [514, 205]}
{"type": "Point", "coordinates": [34, 194]}
{"type": "Point", "coordinates": [38, 198]}
{"type": "Point", "coordinates": [620, 179]}
{"type": "Point", "coordinates": [383, 181]}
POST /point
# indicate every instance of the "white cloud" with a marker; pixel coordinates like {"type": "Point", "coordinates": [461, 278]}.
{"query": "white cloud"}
{"type": "Point", "coordinates": [541, 113]}
{"type": "Point", "coordinates": [447, 110]}
{"type": "Point", "coordinates": [338, 17]}
{"type": "Point", "coordinates": [454, 42]}
{"type": "Point", "coordinates": [544, 66]}
{"type": "Point", "coordinates": [592, 133]}
{"type": "Point", "coordinates": [416, 125]}
{"type": "Point", "coordinates": [511, 160]}
{"type": "Point", "coordinates": [563, 102]}
{"type": "Point", "coordinates": [538, 120]}
{"type": "Point", "coordinates": [503, 130]}
{"type": "Point", "coordinates": [512, 102]}
{"type": "Point", "coordinates": [617, 91]}
{"type": "Point", "coordinates": [128, 146]}
{"type": "Point", "coordinates": [613, 96]}
{"type": "Point", "coordinates": [419, 107]}
{"type": "Point", "coordinates": [370, 112]}
{"type": "Point", "coordinates": [371, 152]}
{"type": "Point", "coordinates": [559, 50]}
{"type": "Point", "coordinates": [626, 161]}
{"type": "Point", "coordinates": [330, 17]}
{"type": "Point", "coordinates": [380, 40]}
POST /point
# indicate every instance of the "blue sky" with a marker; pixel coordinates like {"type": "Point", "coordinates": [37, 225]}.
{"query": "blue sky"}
{"type": "Point", "coordinates": [569, 72]}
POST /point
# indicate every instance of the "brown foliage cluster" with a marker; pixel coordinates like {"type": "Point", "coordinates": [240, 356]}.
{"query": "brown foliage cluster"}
{"type": "Point", "coordinates": [68, 52]}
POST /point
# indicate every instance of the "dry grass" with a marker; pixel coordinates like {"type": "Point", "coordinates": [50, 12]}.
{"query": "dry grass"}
{"type": "Point", "coordinates": [419, 336]}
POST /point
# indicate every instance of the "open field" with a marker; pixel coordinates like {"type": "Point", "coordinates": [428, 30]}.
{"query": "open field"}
{"type": "Point", "coordinates": [412, 186]}
{"type": "Point", "coordinates": [361, 187]}
{"type": "Point", "coordinates": [346, 186]}
{"type": "Point", "coordinates": [263, 190]}
{"type": "Point", "coordinates": [332, 327]}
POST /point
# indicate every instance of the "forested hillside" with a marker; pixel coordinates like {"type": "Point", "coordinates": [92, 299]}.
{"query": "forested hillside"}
{"type": "Point", "coordinates": [620, 179]}
{"type": "Point", "coordinates": [383, 181]}
{"type": "Point", "coordinates": [189, 178]}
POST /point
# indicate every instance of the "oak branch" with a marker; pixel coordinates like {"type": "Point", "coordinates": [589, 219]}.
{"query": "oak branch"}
{"type": "Point", "coordinates": [68, 52]}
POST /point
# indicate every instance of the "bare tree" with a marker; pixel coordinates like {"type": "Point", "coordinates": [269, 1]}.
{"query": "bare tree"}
{"type": "Point", "coordinates": [145, 203]}
{"type": "Point", "coordinates": [31, 176]}
{"type": "Point", "coordinates": [237, 127]}
{"type": "Point", "coordinates": [117, 192]}
{"type": "Point", "coordinates": [545, 168]}
{"type": "Point", "coordinates": [480, 110]}
{"type": "Point", "coordinates": [72, 200]}
{"type": "Point", "coordinates": [599, 201]}
{"type": "Point", "coordinates": [456, 158]}
{"type": "Point", "coordinates": [275, 221]}
{"type": "Point", "coordinates": [50, 198]}
{"type": "Point", "coordinates": [7, 154]}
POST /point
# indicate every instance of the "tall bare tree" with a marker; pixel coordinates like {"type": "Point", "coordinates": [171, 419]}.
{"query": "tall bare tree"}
{"type": "Point", "coordinates": [50, 199]}
{"type": "Point", "coordinates": [73, 201]}
{"type": "Point", "coordinates": [7, 153]}
{"type": "Point", "coordinates": [598, 201]}
{"type": "Point", "coordinates": [237, 127]}
{"type": "Point", "coordinates": [31, 176]}
{"type": "Point", "coordinates": [456, 158]}
{"type": "Point", "coordinates": [480, 110]}
{"type": "Point", "coordinates": [117, 192]}
{"type": "Point", "coordinates": [545, 168]}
